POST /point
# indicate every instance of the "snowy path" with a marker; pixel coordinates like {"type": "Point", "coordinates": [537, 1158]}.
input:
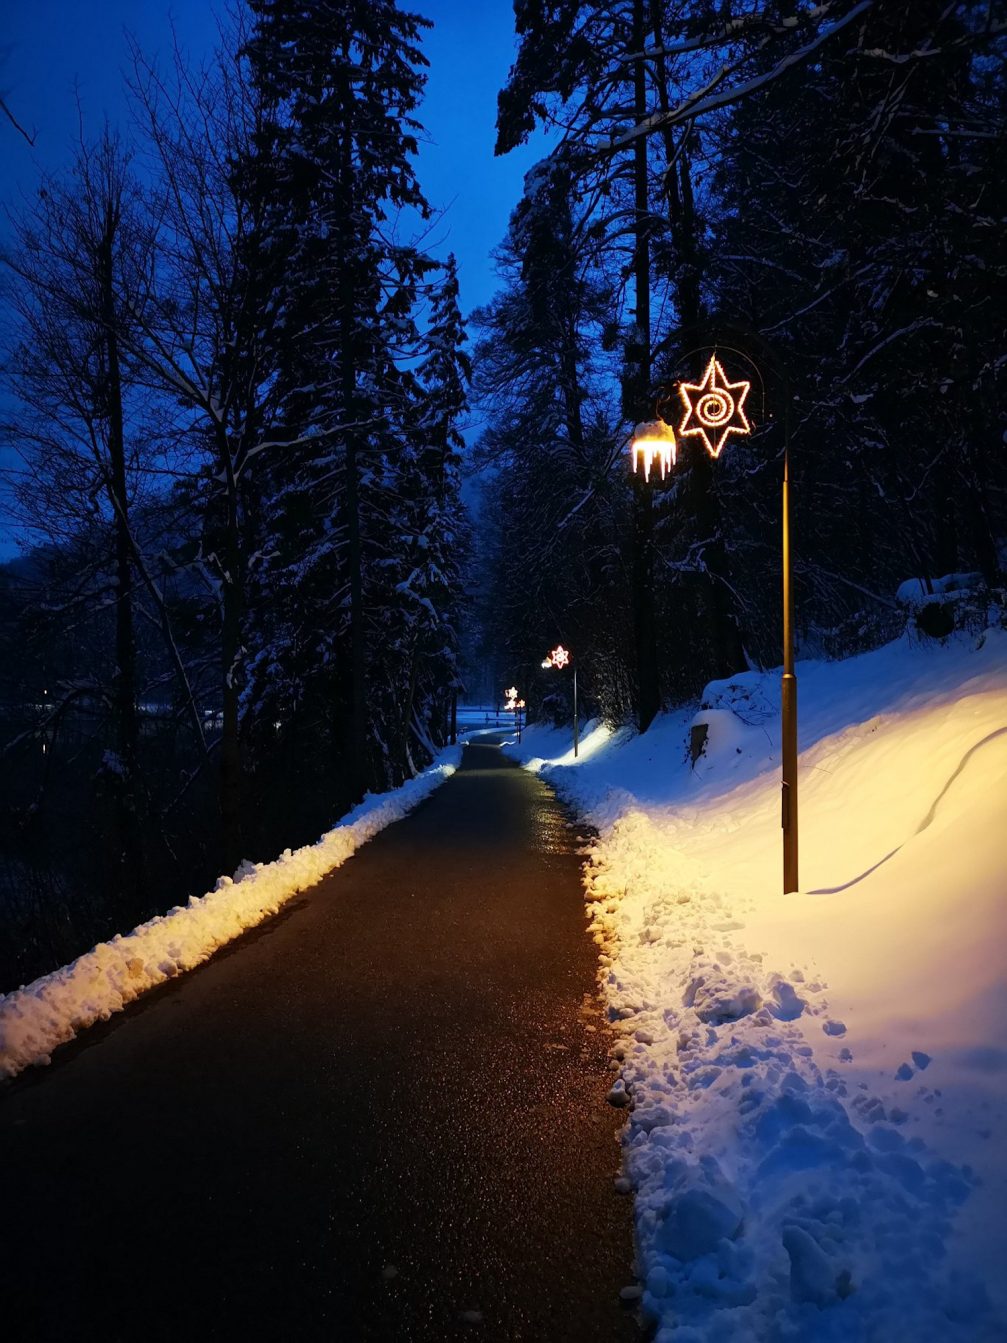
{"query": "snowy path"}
{"type": "Point", "coordinates": [378, 1116]}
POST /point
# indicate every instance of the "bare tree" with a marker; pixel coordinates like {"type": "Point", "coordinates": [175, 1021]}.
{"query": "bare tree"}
{"type": "Point", "coordinates": [80, 265]}
{"type": "Point", "coordinates": [201, 342]}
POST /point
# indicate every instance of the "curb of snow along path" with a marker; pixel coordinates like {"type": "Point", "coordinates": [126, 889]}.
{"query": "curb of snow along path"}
{"type": "Point", "coordinates": [38, 1017]}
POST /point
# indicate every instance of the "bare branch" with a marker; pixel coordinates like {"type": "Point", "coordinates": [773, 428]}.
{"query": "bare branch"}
{"type": "Point", "coordinates": [28, 135]}
{"type": "Point", "coordinates": [706, 100]}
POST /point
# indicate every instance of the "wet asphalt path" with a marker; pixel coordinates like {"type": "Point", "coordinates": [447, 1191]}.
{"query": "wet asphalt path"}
{"type": "Point", "coordinates": [379, 1116]}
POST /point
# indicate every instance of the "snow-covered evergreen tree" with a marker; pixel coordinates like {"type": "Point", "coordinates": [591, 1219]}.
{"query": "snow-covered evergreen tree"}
{"type": "Point", "coordinates": [341, 80]}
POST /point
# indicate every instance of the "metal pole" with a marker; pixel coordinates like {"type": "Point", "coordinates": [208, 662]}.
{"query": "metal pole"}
{"type": "Point", "coordinates": [576, 725]}
{"type": "Point", "coordinates": [788, 699]}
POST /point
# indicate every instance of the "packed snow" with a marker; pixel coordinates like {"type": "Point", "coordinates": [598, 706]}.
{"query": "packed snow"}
{"type": "Point", "coordinates": [817, 1081]}
{"type": "Point", "coordinates": [38, 1017]}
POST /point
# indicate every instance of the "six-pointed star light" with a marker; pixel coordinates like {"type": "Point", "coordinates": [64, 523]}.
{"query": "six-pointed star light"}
{"type": "Point", "coordinates": [714, 408]}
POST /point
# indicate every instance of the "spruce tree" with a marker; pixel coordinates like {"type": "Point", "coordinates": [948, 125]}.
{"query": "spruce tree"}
{"type": "Point", "coordinates": [342, 79]}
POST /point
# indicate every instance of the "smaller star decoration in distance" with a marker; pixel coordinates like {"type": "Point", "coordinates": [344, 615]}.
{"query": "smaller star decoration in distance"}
{"type": "Point", "coordinates": [512, 693]}
{"type": "Point", "coordinates": [714, 408]}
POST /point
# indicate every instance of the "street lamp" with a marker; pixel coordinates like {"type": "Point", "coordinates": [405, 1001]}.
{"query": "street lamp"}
{"type": "Point", "coordinates": [713, 409]}
{"type": "Point", "coordinates": [514, 705]}
{"type": "Point", "coordinates": [654, 441]}
{"type": "Point", "coordinates": [559, 658]}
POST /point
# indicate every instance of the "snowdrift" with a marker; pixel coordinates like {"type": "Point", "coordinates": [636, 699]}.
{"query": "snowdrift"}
{"type": "Point", "coordinates": [818, 1081]}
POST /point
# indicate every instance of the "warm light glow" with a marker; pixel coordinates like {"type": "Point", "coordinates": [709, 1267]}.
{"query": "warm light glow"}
{"type": "Point", "coordinates": [512, 693]}
{"type": "Point", "coordinates": [653, 441]}
{"type": "Point", "coordinates": [714, 408]}
{"type": "Point", "coordinates": [559, 657]}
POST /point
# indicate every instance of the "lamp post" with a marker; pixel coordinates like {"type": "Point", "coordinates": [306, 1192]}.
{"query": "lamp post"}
{"type": "Point", "coordinates": [514, 705]}
{"type": "Point", "coordinates": [713, 409]}
{"type": "Point", "coordinates": [560, 657]}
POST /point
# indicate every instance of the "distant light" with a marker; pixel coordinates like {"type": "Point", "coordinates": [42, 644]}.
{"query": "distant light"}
{"type": "Point", "coordinates": [714, 408]}
{"type": "Point", "coordinates": [653, 441]}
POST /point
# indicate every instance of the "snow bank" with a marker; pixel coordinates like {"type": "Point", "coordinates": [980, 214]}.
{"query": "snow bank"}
{"type": "Point", "coordinates": [914, 593]}
{"type": "Point", "coordinates": [53, 1009]}
{"type": "Point", "coordinates": [818, 1081]}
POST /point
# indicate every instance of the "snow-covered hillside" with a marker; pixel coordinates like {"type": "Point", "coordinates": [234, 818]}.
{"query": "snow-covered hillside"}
{"type": "Point", "coordinates": [818, 1081]}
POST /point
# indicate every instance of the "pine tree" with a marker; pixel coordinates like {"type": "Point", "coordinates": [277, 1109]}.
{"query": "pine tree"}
{"type": "Point", "coordinates": [342, 80]}
{"type": "Point", "coordinates": [556, 501]}
{"type": "Point", "coordinates": [851, 235]}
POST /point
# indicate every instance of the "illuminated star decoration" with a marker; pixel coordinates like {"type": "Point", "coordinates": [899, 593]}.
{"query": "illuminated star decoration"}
{"type": "Point", "coordinates": [511, 698]}
{"type": "Point", "coordinates": [559, 657]}
{"type": "Point", "coordinates": [653, 441]}
{"type": "Point", "coordinates": [714, 408]}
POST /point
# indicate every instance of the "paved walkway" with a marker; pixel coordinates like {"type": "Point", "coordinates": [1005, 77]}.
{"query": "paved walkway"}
{"type": "Point", "coordinates": [380, 1116]}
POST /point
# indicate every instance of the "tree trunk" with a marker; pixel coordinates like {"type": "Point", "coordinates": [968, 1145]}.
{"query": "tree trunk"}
{"type": "Point", "coordinates": [232, 617]}
{"type": "Point", "coordinates": [639, 404]}
{"type": "Point", "coordinates": [127, 731]}
{"type": "Point", "coordinates": [348, 380]}
{"type": "Point", "coordinates": [724, 635]}
{"type": "Point", "coordinates": [980, 414]}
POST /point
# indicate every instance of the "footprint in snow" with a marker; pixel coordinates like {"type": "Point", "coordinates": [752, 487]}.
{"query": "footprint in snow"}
{"type": "Point", "coordinates": [787, 1006]}
{"type": "Point", "coordinates": [904, 1071]}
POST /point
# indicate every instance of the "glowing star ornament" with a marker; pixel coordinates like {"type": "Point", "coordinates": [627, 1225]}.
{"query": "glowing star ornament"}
{"type": "Point", "coordinates": [559, 657]}
{"type": "Point", "coordinates": [512, 693]}
{"type": "Point", "coordinates": [714, 408]}
{"type": "Point", "coordinates": [653, 441]}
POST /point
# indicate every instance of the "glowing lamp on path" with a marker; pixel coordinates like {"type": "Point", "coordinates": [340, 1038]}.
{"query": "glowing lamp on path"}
{"type": "Point", "coordinates": [714, 408]}
{"type": "Point", "coordinates": [653, 441]}
{"type": "Point", "coordinates": [560, 658]}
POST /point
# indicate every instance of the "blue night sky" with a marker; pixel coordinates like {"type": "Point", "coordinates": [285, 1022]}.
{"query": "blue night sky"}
{"type": "Point", "coordinates": [56, 52]}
